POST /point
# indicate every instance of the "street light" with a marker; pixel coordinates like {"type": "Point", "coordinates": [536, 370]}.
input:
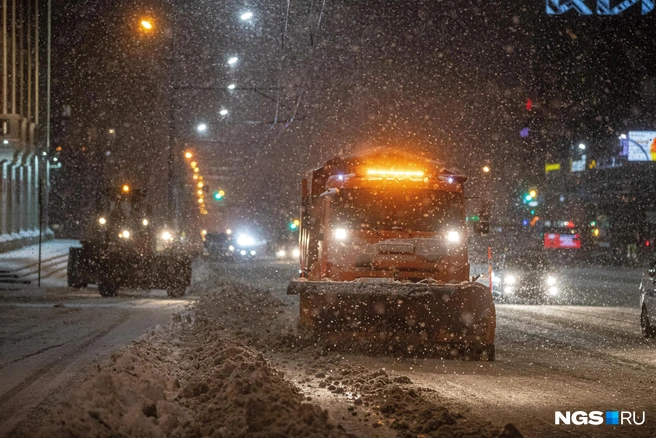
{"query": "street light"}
{"type": "Point", "coordinates": [246, 16]}
{"type": "Point", "coordinates": [146, 25]}
{"type": "Point", "coordinates": [189, 155]}
{"type": "Point", "coordinates": [201, 127]}
{"type": "Point", "coordinates": [582, 146]}
{"type": "Point", "coordinates": [232, 87]}
{"type": "Point", "coordinates": [223, 112]}
{"type": "Point", "coordinates": [486, 169]}
{"type": "Point", "coordinates": [232, 60]}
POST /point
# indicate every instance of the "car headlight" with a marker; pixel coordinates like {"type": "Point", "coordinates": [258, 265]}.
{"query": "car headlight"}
{"type": "Point", "coordinates": [551, 281]}
{"type": "Point", "coordinates": [231, 248]}
{"type": "Point", "coordinates": [166, 235]}
{"type": "Point", "coordinates": [296, 253]}
{"type": "Point", "coordinates": [253, 252]}
{"type": "Point", "coordinates": [245, 240]}
{"type": "Point", "coordinates": [102, 221]}
{"type": "Point", "coordinates": [281, 253]}
{"type": "Point", "coordinates": [242, 252]}
{"type": "Point", "coordinates": [453, 236]}
{"type": "Point", "coordinates": [145, 222]}
{"type": "Point", "coordinates": [125, 234]}
{"type": "Point", "coordinates": [510, 279]}
{"type": "Point", "coordinates": [553, 291]}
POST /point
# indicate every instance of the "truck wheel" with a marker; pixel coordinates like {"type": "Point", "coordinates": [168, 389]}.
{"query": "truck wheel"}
{"type": "Point", "coordinates": [488, 353]}
{"type": "Point", "coordinates": [74, 273]}
{"type": "Point", "coordinates": [176, 291]}
{"type": "Point", "coordinates": [108, 287]}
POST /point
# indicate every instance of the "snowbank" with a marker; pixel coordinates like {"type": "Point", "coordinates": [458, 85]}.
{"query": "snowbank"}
{"type": "Point", "coordinates": [189, 380]}
{"type": "Point", "coordinates": [211, 374]}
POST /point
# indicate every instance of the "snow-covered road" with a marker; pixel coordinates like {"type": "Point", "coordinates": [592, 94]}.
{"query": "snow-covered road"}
{"type": "Point", "coordinates": [49, 336]}
{"type": "Point", "coordinates": [181, 379]}
{"type": "Point", "coordinates": [549, 358]}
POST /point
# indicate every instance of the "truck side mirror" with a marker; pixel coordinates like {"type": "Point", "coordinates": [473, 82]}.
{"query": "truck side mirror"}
{"type": "Point", "coordinates": [482, 228]}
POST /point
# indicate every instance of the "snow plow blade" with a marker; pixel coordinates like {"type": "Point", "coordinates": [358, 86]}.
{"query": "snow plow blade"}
{"type": "Point", "coordinates": [417, 318]}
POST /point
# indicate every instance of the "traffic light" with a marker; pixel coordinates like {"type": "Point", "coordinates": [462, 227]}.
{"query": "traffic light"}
{"type": "Point", "coordinates": [293, 225]}
{"type": "Point", "coordinates": [218, 196]}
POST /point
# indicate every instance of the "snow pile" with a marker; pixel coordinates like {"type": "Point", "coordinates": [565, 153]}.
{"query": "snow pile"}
{"type": "Point", "coordinates": [393, 401]}
{"type": "Point", "coordinates": [210, 374]}
{"type": "Point", "coordinates": [191, 380]}
{"type": "Point", "coordinates": [261, 318]}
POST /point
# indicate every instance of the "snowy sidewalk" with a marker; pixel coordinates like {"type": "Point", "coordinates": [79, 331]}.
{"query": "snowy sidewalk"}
{"type": "Point", "coordinates": [19, 268]}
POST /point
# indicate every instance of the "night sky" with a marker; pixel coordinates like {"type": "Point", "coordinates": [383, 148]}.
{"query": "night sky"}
{"type": "Point", "coordinates": [446, 78]}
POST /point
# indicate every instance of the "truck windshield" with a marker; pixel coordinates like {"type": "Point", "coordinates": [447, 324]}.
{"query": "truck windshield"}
{"type": "Point", "coordinates": [410, 210]}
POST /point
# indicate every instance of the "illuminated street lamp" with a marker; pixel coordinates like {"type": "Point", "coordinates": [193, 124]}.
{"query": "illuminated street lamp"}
{"type": "Point", "coordinates": [189, 155]}
{"type": "Point", "coordinates": [232, 60]}
{"type": "Point", "coordinates": [246, 16]}
{"type": "Point", "coordinates": [202, 127]}
{"type": "Point", "coordinates": [223, 112]}
{"type": "Point", "coordinates": [486, 169]}
{"type": "Point", "coordinates": [232, 87]}
{"type": "Point", "coordinates": [582, 146]}
{"type": "Point", "coordinates": [146, 25]}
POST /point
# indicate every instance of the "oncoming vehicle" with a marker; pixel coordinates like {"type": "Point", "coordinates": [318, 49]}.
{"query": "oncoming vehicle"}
{"type": "Point", "coordinates": [648, 302]}
{"type": "Point", "coordinates": [126, 248]}
{"type": "Point", "coordinates": [383, 246]}
{"type": "Point", "coordinates": [220, 246]}
{"type": "Point", "coordinates": [245, 248]}
{"type": "Point", "coordinates": [525, 276]}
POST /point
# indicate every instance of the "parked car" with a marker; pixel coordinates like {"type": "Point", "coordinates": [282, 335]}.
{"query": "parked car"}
{"type": "Point", "coordinates": [648, 302]}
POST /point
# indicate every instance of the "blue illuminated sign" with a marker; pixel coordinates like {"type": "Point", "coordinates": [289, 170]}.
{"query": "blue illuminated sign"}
{"type": "Point", "coordinates": [558, 7]}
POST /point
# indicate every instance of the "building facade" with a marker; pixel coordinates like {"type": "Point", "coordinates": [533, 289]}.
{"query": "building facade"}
{"type": "Point", "coordinates": [24, 166]}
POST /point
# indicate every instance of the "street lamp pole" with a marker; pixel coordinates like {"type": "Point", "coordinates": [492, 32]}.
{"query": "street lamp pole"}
{"type": "Point", "coordinates": [172, 213]}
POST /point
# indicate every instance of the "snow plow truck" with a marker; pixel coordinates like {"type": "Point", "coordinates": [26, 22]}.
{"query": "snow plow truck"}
{"type": "Point", "coordinates": [126, 247]}
{"type": "Point", "coordinates": [383, 242]}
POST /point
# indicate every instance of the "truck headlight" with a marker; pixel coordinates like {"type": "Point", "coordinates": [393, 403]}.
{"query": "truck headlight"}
{"type": "Point", "coordinates": [453, 236]}
{"type": "Point", "coordinates": [510, 279]}
{"type": "Point", "coordinates": [551, 281]}
{"type": "Point", "coordinates": [340, 233]}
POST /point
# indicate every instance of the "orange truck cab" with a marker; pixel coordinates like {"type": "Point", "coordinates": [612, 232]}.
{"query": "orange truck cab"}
{"type": "Point", "coordinates": [383, 244]}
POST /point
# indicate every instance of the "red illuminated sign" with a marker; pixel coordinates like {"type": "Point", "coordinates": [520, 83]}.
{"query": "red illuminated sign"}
{"type": "Point", "coordinates": [562, 241]}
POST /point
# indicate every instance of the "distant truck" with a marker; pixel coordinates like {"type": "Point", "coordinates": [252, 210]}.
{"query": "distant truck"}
{"type": "Point", "coordinates": [383, 257]}
{"type": "Point", "coordinates": [126, 248]}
